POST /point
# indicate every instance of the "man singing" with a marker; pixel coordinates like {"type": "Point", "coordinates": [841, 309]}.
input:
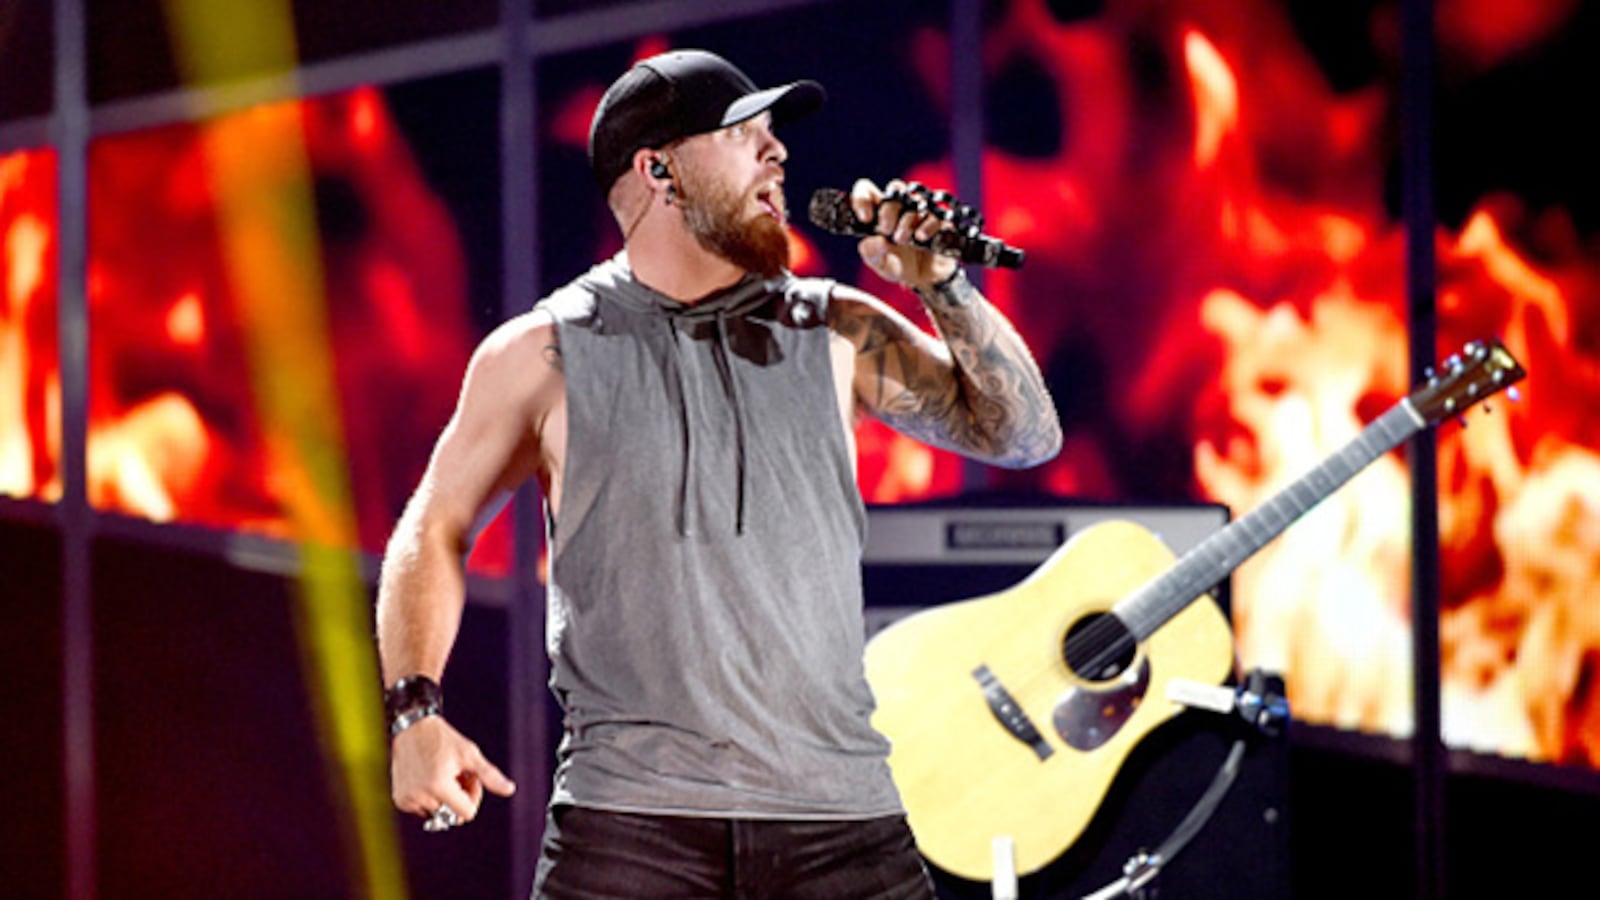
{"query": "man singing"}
{"type": "Point", "coordinates": [687, 408]}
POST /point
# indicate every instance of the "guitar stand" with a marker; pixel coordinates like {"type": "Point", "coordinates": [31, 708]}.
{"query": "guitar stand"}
{"type": "Point", "coordinates": [1261, 704]}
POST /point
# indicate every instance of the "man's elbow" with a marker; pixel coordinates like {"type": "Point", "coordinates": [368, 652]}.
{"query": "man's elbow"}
{"type": "Point", "coordinates": [1031, 447]}
{"type": "Point", "coordinates": [424, 530]}
{"type": "Point", "coordinates": [1050, 449]}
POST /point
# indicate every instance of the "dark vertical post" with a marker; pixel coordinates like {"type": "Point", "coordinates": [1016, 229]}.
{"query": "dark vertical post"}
{"type": "Point", "coordinates": [1428, 756]}
{"type": "Point", "coordinates": [530, 739]}
{"type": "Point", "coordinates": [966, 106]}
{"type": "Point", "coordinates": [70, 134]}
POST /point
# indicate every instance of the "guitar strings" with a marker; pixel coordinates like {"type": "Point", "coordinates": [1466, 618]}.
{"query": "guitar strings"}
{"type": "Point", "coordinates": [1103, 641]}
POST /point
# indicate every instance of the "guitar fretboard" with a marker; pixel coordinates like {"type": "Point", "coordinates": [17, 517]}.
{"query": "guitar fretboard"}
{"type": "Point", "coordinates": [1203, 567]}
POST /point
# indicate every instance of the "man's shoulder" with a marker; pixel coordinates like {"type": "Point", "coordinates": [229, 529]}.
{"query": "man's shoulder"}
{"type": "Point", "coordinates": [519, 364]}
{"type": "Point", "coordinates": [531, 330]}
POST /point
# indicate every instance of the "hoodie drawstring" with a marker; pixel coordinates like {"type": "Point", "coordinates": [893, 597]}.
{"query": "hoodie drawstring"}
{"type": "Point", "coordinates": [722, 352]}
{"type": "Point", "coordinates": [686, 475]}
{"type": "Point", "coordinates": [731, 384]}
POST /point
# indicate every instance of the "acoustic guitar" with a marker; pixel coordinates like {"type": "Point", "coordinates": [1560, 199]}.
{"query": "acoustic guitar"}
{"type": "Point", "coordinates": [1011, 714]}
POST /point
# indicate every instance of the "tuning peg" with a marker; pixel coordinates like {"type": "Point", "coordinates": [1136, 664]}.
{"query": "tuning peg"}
{"type": "Point", "coordinates": [1514, 394]}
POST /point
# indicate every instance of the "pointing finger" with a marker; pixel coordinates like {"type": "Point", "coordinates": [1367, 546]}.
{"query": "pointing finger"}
{"type": "Point", "coordinates": [490, 776]}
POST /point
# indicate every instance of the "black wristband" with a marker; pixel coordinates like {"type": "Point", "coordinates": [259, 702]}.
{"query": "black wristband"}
{"type": "Point", "coordinates": [945, 286]}
{"type": "Point", "coordinates": [410, 700]}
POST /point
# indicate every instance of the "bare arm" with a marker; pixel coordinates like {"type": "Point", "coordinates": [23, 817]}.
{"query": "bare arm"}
{"type": "Point", "coordinates": [977, 391]}
{"type": "Point", "coordinates": [491, 445]}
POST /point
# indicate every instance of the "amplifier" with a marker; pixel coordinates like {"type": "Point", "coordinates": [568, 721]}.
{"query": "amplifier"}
{"type": "Point", "coordinates": [917, 556]}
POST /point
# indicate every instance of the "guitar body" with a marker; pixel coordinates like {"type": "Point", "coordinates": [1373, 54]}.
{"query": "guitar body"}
{"type": "Point", "coordinates": [996, 731]}
{"type": "Point", "coordinates": [965, 776]}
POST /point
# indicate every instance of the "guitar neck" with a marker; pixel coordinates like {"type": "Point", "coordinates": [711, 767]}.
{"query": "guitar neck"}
{"type": "Point", "coordinates": [1205, 566]}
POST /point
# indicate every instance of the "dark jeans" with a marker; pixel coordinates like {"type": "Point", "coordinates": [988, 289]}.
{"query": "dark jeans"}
{"type": "Point", "coordinates": [589, 853]}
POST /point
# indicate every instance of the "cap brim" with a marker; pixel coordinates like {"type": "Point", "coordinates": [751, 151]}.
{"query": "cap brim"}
{"type": "Point", "coordinates": [787, 103]}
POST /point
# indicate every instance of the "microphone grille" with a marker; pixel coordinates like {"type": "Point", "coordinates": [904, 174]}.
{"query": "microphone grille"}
{"type": "Point", "coordinates": [830, 210]}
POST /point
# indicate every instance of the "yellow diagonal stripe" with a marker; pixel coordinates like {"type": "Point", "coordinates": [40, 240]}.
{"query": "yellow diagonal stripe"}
{"type": "Point", "coordinates": [262, 181]}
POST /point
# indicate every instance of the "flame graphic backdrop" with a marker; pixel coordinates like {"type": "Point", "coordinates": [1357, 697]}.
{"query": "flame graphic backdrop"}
{"type": "Point", "coordinates": [1215, 285]}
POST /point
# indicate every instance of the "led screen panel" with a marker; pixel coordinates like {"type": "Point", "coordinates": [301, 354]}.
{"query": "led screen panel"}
{"type": "Point", "coordinates": [1518, 254]}
{"type": "Point", "coordinates": [30, 368]}
{"type": "Point", "coordinates": [27, 69]}
{"type": "Point", "coordinates": [282, 302]}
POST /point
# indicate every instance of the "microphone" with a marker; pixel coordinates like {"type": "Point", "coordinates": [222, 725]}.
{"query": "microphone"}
{"type": "Point", "coordinates": [830, 210]}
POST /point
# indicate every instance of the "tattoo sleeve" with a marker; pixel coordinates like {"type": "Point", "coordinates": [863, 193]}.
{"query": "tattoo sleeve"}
{"type": "Point", "coordinates": [986, 399]}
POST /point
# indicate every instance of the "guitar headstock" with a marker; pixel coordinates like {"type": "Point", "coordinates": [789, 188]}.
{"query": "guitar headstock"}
{"type": "Point", "coordinates": [1482, 368]}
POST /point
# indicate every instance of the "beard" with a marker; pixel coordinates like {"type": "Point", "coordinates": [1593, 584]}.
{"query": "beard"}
{"type": "Point", "coordinates": [714, 214]}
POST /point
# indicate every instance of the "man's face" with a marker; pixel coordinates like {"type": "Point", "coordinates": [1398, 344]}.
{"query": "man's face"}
{"type": "Point", "coordinates": [731, 190]}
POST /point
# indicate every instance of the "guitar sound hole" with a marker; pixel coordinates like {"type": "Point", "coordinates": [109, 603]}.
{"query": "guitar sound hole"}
{"type": "Point", "coordinates": [1099, 647]}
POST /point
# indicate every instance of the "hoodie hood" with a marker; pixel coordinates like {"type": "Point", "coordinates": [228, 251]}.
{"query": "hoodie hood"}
{"type": "Point", "coordinates": [680, 323]}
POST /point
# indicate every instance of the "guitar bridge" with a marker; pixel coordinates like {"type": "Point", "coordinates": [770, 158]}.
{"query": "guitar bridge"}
{"type": "Point", "coordinates": [1009, 714]}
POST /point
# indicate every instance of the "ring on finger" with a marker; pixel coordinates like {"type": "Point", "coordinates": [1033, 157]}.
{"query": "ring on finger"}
{"type": "Point", "coordinates": [443, 819]}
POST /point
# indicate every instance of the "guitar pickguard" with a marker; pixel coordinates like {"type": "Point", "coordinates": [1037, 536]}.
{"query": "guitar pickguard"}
{"type": "Point", "coordinates": [1086, 717]}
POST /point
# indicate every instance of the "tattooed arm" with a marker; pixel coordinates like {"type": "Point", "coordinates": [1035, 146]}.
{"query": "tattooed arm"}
{"type": "Point", "coordinates": [979, 391]}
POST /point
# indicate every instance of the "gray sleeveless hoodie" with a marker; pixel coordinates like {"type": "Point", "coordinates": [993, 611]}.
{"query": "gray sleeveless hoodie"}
{"type": "Point", "coordinates": [705, 629]}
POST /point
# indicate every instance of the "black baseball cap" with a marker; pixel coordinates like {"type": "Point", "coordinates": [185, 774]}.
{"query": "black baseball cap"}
{"type": "Point", "coordinates": [678, 94]}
